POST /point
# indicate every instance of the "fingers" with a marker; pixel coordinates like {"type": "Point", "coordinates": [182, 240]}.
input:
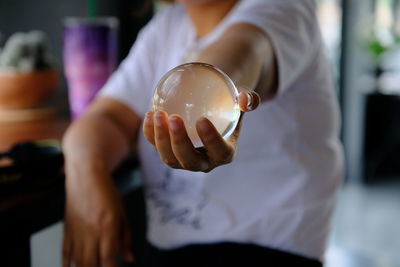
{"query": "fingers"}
{"type": "Point", "coordinates": [248, 100]}
{"type": "Point", "coordinates": [218, 150]}
{"type": "Point", "coordinates": [163, 140]}
{"type": "Point", "coordinates": [148, 127]}
{"type": "Point", "coordinates": [109, 249]}
{"type": "Point", "coordinates": [66, 250]}
{"type": "Point", "coordinates": [80, 255]}
{"type": "Point", "coordinates": [98, 251]}
{"type": "Point", "coordinates": [170, 138]}
{"type": "Point", "coordinates": [90, 254]}
{"type": "Point", "coordinates": [126, 244]}
{"type": "Point", "coordinates": [183, 149]}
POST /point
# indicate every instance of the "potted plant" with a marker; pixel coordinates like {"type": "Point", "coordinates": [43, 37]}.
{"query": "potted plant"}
{"type": "Point", "coordinates": [27, 73]}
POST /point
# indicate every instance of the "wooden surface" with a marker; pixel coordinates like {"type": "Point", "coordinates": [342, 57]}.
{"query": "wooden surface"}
{"type": "Point", "coordinates": [27, 115]}
{"type": "Point", "coordinates": [14, 132]}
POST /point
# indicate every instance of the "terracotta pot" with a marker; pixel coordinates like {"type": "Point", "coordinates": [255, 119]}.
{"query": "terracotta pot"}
{"type": "Point", "coordinates": [26, 90]}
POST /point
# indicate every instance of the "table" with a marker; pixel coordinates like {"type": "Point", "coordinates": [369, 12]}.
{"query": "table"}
{"type": "Point", "coordinates": [27, 210]}
{"type": "Point", "coordinates": [381, 146]}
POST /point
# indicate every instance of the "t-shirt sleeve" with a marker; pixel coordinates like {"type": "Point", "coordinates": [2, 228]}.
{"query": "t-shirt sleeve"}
{"type": "Point", "coordinates": [292, 28]}
{"type": "Point", "coordinates": [132, 82]}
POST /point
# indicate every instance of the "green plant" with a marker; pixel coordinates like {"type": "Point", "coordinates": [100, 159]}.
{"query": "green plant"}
{"type": "Point", "coordinates": [380, 40]}
{"type": "Point", "coordinates": [25, 52]}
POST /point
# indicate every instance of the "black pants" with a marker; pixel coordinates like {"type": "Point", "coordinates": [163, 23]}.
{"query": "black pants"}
{"type": "Point", "coordinates": [224, 254]}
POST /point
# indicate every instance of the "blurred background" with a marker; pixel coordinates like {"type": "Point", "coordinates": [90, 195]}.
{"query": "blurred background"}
{"type": "Point", "coordinates": [363, 43]}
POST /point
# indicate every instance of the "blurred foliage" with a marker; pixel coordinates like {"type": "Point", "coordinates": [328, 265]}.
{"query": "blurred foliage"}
{"type": "Point", "coordinates": [26, 52]}
{"type": "Point", "coordinates": [376, 48]}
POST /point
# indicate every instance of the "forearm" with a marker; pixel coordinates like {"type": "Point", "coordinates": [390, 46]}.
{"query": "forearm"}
{"type": "Point", "coordinates": [94, 217]}
{"type": "Point", "coordinates": [98, 141]}
{"type": "Point", "coordinates": [244, 52]}
{"type": "Point", "coordinates": [94, 140]}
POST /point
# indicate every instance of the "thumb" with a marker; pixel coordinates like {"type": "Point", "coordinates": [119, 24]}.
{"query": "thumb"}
{"type": "Point", "coordinates": [126, 243]}
{"type": "Point", "coordinates": [248, 100]}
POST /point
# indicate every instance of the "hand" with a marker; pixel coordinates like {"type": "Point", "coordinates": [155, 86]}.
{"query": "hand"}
{"type": "Point", "coordinates": [169, 137]}
{"type": "Point", "coordinates": [95, 231]}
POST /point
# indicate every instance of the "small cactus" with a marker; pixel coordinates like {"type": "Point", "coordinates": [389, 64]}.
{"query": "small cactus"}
{"type": "Point", "coordinates": [25, 52]}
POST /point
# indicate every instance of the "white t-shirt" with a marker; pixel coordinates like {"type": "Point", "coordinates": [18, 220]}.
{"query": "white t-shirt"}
{"type": "Point", "coordinates": [280, 189]}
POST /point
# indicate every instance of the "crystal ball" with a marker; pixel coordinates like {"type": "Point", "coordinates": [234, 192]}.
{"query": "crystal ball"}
{"type": "Point", "coordinates": [197, 90]}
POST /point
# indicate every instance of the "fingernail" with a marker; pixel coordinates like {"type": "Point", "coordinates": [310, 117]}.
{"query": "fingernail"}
{"type": "Point", "coordinates": [148, 116]}
{"type": "Point", "coordinates": [159, 118]}
{"type": "Point", "coordinates": [204, 125]}
{"type": "Point", "coordinates": [204, 166]}
{"type": "Point", "coordinates": [249, 101]}
{"type": "Point", "coordinates": [173, 123]}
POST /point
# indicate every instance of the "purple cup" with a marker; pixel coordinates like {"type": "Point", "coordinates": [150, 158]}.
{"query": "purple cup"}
{"type": "Point", "coordinates": [90, 54]}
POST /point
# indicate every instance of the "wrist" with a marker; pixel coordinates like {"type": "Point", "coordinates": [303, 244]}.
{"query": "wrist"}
{"type": "Point", "coordinates": [81, 170]}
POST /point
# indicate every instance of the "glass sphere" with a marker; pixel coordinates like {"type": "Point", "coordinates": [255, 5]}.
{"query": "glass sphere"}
{"type": "Point", "coordinates": [197, 90]}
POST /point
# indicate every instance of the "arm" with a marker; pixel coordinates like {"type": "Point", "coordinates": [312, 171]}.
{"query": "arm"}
{"type": "Point", "coordinates": [95, 227]}
{"type": "Point", "coordinates": [104, 134]}
{"type": "Point", "coordinates": [243, 51]}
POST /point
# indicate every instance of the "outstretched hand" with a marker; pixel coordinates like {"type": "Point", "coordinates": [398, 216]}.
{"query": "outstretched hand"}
{"type": "Point", "coordinates": [169, 137]}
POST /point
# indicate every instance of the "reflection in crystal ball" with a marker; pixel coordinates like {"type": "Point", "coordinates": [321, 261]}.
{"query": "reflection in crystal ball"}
{"type": "Point", "coordinates": [196, 90]}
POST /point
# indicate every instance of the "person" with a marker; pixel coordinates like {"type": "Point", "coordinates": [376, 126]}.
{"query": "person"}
{"type": "Point", "coordinates": [263, 198]}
